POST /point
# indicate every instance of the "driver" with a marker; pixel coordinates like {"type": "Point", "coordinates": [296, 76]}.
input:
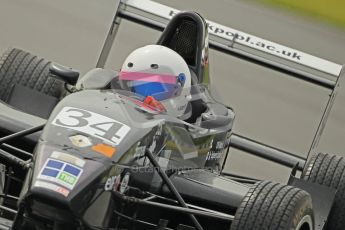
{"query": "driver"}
{"type": "Point", "coordinates": [161, 76]}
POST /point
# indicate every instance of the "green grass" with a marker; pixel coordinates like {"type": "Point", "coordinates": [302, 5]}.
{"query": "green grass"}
{"type": "Point", "coordinates": [332, 11]}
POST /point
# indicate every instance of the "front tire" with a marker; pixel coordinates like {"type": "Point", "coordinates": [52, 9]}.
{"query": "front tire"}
{"type": "Point", "coordinates": [273, 206]}
{"type": "Point", "coordinates": [329, 170]}
{"type": "Point", "coordinates": [21, 67]}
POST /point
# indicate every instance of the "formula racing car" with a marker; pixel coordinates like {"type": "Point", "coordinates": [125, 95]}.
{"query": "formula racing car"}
{"type": "Point", "coordinates": [97, 152]}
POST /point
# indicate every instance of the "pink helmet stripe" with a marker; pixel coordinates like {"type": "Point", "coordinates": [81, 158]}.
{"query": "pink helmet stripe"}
{"type": "Point", "coordinates": [147, 77]}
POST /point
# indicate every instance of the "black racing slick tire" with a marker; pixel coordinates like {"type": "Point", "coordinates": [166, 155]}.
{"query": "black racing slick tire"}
{"type": "Point", "coordinates": [273, 206]}
{"type": "Point", "coordinates": [20, 67]}
{"type": "Point", "coordinates": [329, 170]}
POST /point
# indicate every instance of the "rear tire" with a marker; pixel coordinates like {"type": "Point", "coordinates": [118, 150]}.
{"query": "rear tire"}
{"type": "Point", "coordinates": [329, 170]}
{"type": "Point", "coordinates": [20, 67]}
{"type": "Point", "coordinates": [273, 206]}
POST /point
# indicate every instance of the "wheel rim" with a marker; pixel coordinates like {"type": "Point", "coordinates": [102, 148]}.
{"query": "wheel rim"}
{"type": "Point", "coordinates": [305, 224]}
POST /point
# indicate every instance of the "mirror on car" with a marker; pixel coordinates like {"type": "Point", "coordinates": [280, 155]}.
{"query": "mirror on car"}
{"type": "Point", "coordinates": [66, 74]}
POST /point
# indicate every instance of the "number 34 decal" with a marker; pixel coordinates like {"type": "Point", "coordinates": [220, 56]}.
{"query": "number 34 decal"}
{"type": "Point", "coordinates": [91, 123]}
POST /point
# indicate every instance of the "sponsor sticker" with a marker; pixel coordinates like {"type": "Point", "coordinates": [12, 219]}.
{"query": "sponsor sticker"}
{"type": "Point", "coordinates": [112, 183]}
{"type": "Point", "coordinates": [139, 150]}
{"type": "Point", "coordinates": [217, 153]}
{"type": "Point", "coordinates": [109, 184]}
{"type": "Point", "coordinates": [124, 183]}
{"type": "Point", "coordinates": [220, 145]}
{"type": "Point", "coordinates": [212, 155]}
{"type": "Point", "coordinates": [104, 149]}
{"type": "Point", "coordinates": [80, 141]}
{"type": "Point", "coordinates": [52, 187]}
{"type": "Point", "coordinates": [68, 158]}
{"type": "Point", "coordinates": [117, 183]}
{"type": "Point", "coordinates": [61, 173]}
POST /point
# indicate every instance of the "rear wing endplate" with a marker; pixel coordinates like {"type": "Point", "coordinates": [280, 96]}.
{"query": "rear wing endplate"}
{"type": "Point", "coordinates": [295, 63]}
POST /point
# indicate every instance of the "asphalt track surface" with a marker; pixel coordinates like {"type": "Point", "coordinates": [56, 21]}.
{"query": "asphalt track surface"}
{"type": "Point", "coordinates": [271, 107]}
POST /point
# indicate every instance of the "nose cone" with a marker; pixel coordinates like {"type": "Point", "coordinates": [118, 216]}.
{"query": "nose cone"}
{"type": "Point", "coordinates": [59, 178]}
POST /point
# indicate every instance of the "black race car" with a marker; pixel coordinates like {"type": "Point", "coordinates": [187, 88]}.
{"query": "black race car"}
{"type": "Point", "coordinates": [83, 153]}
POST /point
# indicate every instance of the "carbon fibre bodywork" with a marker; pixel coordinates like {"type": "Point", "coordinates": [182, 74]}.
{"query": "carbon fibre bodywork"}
{"type": "Point", "coordinates": [198, 151]}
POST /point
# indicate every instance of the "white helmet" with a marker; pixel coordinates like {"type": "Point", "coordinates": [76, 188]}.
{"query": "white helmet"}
{"type": "Point", "coordinates": [160, 72]}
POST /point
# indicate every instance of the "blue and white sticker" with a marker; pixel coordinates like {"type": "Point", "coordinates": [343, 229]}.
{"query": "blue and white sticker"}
{"type": "Point", "coordinates": [61, 173]}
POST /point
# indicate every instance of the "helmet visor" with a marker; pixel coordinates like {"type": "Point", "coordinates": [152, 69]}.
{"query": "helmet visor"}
{"type": "Point", "coordinates": [159, 86]}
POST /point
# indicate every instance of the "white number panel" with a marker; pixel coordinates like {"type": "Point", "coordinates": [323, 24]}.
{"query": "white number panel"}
{"type": "Point", "coordinates": [92, 123]}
